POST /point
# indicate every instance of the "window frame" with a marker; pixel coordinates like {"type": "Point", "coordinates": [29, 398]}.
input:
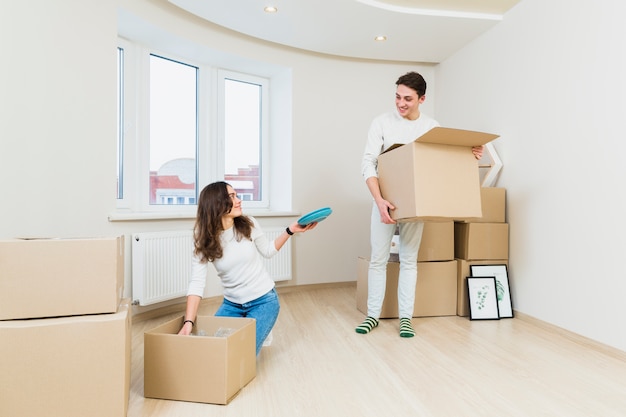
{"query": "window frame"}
{"type": "Point", "coordinates": [263, 83]}
{"type": "Point", "coordinates": [121, 121]}
{"type": "Point", "coordinates": [135, 144]}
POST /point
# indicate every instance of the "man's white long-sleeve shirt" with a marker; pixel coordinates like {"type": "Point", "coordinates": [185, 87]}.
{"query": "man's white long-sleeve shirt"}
{"type": "Point", "coordinates": [388, 129]}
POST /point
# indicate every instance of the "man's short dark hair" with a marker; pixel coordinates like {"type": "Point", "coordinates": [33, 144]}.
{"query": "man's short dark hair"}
{"type": "Point", "coordinates": [415, 81]}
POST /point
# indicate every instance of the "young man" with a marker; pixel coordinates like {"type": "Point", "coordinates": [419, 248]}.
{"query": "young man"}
{"type": "Point", "coordinates": [403, 125]}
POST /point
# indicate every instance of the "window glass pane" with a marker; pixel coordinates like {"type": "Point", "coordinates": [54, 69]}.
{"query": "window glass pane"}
{"type": "Point", "coordinates": [173, 131]}
{"type": "Point", "coordinates": [120, 123]}
{"type": "Point", "coordinates": [242, 138]}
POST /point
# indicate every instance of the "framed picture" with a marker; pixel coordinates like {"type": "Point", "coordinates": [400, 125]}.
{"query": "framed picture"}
{"type": "Point", "coordinates": [482, 298]}
{"type": "Point", "coordinates": [502, 285]}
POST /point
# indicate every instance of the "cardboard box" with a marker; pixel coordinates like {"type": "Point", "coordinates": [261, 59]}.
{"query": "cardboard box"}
{"type": "Point", "coordinates": [435, 177]}
{"type": "Point", "coordinates": [435, 292]}
{"type": "Point", "coordinates": [462, 303]}
{"type": "Point", "coordinates": [493, 203]}
{"type": "Point", "coordinates": [66, 367]}
{"type": "Point", "coordinates": [437, 243]}
{"type": "Point", "coordinates": [475, 241]}
{"type": "Point", "coordinates": [206, 369]}
{"type": "Point", "coordinates": [60, 277]}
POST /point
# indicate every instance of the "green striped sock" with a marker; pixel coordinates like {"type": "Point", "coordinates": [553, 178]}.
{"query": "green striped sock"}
{"type": "Point", "coordinates": [368, 324]}
{"type": "Point", "coordinates": [406, 328]}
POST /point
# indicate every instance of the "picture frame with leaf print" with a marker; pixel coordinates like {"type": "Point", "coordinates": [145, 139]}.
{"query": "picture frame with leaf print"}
{"type": "Point", "coordinates": [483, 301]}
{"type": "Point", "coordinates": [503, 290]}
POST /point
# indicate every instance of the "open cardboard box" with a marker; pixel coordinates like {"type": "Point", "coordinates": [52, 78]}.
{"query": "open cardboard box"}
{"type": "Point", "coordinates": [208, 368]}
{"type": "Point", "coordinates": [435, 177]}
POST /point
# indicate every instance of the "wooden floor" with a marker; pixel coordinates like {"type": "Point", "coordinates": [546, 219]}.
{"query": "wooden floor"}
{"type": "Point", "coordinates": [317, 365]}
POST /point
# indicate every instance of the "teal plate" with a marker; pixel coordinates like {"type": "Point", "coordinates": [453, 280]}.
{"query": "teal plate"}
{"type": "Point", "coordinates": [315, 216]}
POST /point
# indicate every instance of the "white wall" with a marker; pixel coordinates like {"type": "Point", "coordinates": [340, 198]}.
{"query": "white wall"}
{"type": "Point", "coordinates": [58, 128]}
{"type": "Point", "coordinates": [550, 80]}
{"type": "Point", "coordinates": [57, 105]}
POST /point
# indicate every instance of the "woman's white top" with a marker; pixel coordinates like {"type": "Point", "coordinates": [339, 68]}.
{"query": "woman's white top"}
{"type": "Point", "coordinates": [241, 268]}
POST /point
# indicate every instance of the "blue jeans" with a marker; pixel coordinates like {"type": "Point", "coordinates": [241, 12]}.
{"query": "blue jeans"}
{"type": "Point", "coordinates": [264, 310]}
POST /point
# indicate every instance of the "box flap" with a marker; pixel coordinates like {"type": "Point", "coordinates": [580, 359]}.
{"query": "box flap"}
{"type": "Point", "coordinates": [459, 137]}
{"type": "Point", "coordinates": [392, 147]}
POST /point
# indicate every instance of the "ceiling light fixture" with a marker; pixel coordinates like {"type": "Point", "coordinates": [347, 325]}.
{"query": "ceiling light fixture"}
{"type": "Point", "coordinates": [270, 9]}
{"type": "Point", "coordinates": [380, 38]}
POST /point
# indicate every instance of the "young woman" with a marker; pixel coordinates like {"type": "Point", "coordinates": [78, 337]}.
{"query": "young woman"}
{"type": "Point", "coordinates": [234, 244]}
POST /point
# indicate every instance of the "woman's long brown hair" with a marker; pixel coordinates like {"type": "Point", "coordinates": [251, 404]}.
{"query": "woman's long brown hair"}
{"type": "Point", "coordinates": [213, 204]}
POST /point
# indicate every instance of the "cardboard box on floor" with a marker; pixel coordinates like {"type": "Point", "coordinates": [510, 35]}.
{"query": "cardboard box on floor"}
{"type": "Point", "coordinates": [462, 303]}
{"type": "Point", "coordinates": [435, 177]}
{"type": "Point", "coordinates": [206, 369]}
{"type": "Point", "coordinates": [435, 291]}
{"type": "Point", "coordinates": [475, 241]}
{"type": "Point", "coordinates": [60, 277]}
{"type": "Point", "coordinates": [74, 366]}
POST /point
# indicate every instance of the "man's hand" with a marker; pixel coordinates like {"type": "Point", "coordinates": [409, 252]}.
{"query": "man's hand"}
{"type": "Point", "coordinates": [478, 151]}
{"type": "Point", "coordinates": [385, 207]}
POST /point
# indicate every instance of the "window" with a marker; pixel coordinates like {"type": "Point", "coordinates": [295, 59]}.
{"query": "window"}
{"type": "Point", "coordinates": [242, 118]}
{"type": "Point", "coordinates": [173, 114]}
{"type": "Point", "coordinates": [184, 123]}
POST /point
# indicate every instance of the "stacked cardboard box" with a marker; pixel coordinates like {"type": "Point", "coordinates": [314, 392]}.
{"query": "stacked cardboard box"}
{"type": "Point", "coordinates": [64, 328]}
{"type": "Point", "coordinates": [481, 241]}
{"type": "Point", "coordinates": [435, 291]}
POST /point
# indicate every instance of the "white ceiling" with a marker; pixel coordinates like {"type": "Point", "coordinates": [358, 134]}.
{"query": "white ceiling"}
{"type": "Point", "coordinates": [416, 30]}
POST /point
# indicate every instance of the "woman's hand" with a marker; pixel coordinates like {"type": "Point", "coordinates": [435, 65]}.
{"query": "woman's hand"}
{"type": "Point", "coordinates": [186, 329]}
{"type": "Point", "coordinates": [295, 227]}
{"type": "Point", "coordinates": [292, 229]}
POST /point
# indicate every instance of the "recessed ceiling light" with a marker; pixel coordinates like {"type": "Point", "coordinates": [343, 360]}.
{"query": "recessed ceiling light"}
{"type": "Point", "coordinates": [380, 38]}
{"type": "Point", "coordinates": [270, 9]}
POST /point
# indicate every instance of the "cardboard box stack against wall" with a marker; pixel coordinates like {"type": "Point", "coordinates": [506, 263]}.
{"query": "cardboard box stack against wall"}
{"type": "Point", "coordinates": [64, 328]}
{"type": "Point", "coordinates": [434, 179]}
{"type": "Point", "coordinates": [481, 241]}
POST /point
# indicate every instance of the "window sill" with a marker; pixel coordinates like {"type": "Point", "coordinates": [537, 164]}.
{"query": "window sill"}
{"type": "Point", "coordinates": [138, 216]}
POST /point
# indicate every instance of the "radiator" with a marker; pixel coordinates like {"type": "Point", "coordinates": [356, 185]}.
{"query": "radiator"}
{"type": "Point", "coordinates": [161, 264]}
{"type": "Point", "coordinates": [279, 265]}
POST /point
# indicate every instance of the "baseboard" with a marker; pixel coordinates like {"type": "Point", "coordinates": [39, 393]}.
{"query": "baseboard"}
{"type": "Point", "coordinates": [573, 337]}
